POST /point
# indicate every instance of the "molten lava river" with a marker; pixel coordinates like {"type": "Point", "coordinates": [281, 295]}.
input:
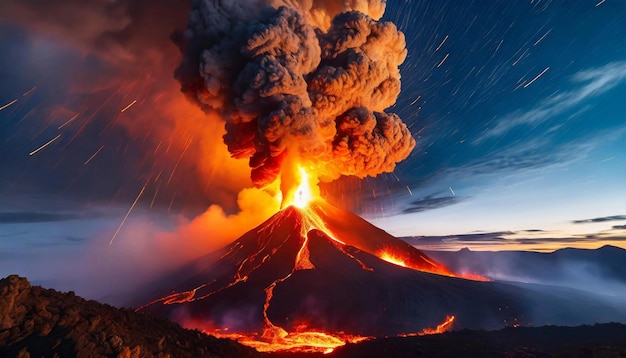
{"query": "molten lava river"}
{"type": "Point", "coordinates": [235, 297]}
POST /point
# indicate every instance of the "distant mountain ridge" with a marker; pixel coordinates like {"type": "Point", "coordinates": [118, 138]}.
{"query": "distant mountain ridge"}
{"type": "Point", "coordinates": [601, 270]}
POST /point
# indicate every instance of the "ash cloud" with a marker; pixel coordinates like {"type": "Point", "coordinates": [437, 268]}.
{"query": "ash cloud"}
{"type": "Point", "coordinates": [290, 82]}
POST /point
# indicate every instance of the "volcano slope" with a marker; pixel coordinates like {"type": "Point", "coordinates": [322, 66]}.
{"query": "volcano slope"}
{"type": "Point", "coordinates": [294, 272]}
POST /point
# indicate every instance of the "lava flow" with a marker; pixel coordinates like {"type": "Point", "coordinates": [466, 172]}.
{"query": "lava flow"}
{"type": "Point", "coordinates": [308, 252]}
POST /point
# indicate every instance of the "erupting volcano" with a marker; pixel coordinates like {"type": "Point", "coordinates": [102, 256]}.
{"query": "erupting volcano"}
{"type": "Point", "coordinates": [303, 88]}
{"type": "Point", "coordinates": [300, 281]}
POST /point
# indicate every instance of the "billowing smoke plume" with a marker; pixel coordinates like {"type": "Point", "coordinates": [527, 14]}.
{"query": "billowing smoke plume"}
{"type": "Point", "coordinates": [299, 79]}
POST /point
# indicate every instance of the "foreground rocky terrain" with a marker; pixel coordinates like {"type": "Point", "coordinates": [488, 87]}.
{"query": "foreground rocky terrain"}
{"type": "Point", "coordinates": [600, 340]}
{"type": "Point", "coordinates": [37, 322]}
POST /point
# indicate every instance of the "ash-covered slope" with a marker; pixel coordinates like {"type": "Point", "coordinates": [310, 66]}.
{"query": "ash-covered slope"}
{"type": "Point", "coordinates": [354, 231]}
{"type": "Point", "coordinates": [37, 322]}
{"type": "Point", "coordinates": [301, 278]}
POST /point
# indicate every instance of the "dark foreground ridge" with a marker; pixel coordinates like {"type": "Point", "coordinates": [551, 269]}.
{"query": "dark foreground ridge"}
{"type": "Point", "coordinates": [38, 322]}
{"type": "Point", "coordinates": [599, 340]}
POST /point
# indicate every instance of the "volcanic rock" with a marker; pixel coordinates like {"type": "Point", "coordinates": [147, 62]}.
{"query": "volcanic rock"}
{"type": "Point", "coordinates": [40, 322]}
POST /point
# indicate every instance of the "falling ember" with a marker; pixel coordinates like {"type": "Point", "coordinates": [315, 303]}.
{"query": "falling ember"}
{"type": "Point", "coordinates": [94, 155]}
{"type": "Point", "coordinates": [128, 213]}
{"type": "Point", "coordinates": [45, 145]}
{"type": "Point", "coordinates": [29, 91]}
{"type": "Point", "coordinates": [8, 104]}
{"type": "Point", "coordinates": [127, 107]}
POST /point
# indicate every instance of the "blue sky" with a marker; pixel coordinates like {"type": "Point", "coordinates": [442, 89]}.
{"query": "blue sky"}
{"type": "Point", "coordinates": [522, 118]}
{"type": "Point", "coordinates": [517, 108]}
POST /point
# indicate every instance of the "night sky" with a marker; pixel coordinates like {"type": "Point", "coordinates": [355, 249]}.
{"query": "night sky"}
{"type": "Point", "coordinates": [518, 109]}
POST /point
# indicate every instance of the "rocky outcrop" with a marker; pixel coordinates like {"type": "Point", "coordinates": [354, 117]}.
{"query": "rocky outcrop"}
{"type": "Point", "coordinates": [37, 322]}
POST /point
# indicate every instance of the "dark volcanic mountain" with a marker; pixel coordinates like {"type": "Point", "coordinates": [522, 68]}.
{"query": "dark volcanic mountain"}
{"type": "Point", "coordinates": [302, 269]}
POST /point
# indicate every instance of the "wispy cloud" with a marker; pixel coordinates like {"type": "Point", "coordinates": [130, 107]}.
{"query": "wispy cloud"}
{"type": "Point", "coordinates": [594, 82]}
{"type": "Point", "coordinates": [431, 202]}
{"type": "Point", "coordinates": [33, 217]}
{"type": "Point", "coordinates": [535, 240]}
{"type": "Point", "coordinates": [600, 219]}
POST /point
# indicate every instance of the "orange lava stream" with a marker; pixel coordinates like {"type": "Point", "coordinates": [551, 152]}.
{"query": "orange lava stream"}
{"type": "Point", "coordinates": [391, 258]}
{"type": "Point", "coordinates": [441, 328]}
{"type": "Point", "coordinates": [306, 342]}
{"type": "Point", "coordinates": [279, 340]}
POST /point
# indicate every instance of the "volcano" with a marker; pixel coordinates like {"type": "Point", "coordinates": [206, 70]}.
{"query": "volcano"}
{"type": "Point", "coordinates": [322, 269]}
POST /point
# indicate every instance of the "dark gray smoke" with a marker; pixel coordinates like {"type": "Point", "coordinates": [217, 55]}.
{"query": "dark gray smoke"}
{"type": "Point", "coordinates": [291, 82]}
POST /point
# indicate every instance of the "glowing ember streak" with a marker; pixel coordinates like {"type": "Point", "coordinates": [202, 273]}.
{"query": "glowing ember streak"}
{"type": "Point", "coordinates": [94, 155]}
{"type": "Point", "coordinates": [8, 104]}
{"type": "Point", "coordinates": [391, 258]}
{"type": "Point", "coordinates": [127, 107]}
{"type": "Point", "coordinates": [536, 77]}
{"type": "Point", "coordinates": [29, 91]}
{"type": "Point", "coordinates": [68, 121]}
{"type": "Point", "coordinates": [128, 213]}
{"type": "Point", "coordinates": [45, 145]}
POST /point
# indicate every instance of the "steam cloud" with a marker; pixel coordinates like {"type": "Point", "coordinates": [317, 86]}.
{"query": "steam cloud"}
{"type": "Point", "coordinates": [303, 79]}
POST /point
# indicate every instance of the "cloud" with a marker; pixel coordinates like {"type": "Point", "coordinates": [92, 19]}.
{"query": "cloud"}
{"type": "Point", "coordinates": [34, 217]}
{"type": "Point", "coordinates": [595, 82]}
{"type": "Point", "coordinates": [431, 202]}
{"type": "Point", "coordinates": [534, 240]}
{"type": "Point", "coordinates": [618, 227]}
{"type": "Point", "coordinates": [461, 239]}
{"type": "Point", "coordinates": [600, 219]}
